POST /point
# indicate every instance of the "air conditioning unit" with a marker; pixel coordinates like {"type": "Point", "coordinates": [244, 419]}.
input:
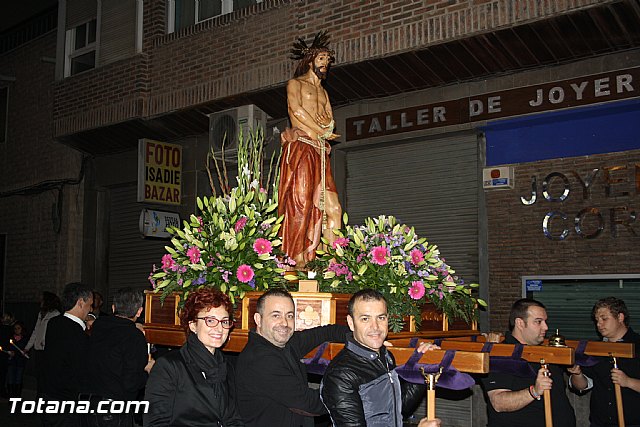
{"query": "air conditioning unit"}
{"type": "Point", "coordinates": [224, 126]}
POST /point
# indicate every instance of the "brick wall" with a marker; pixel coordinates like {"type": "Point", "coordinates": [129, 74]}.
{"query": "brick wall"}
{"type": "Point", "coordinates": [248, 49]}
{"type": "Point", "coordinates": [37, 257]}
{"type": "Point", "coordinates": [518, 246]}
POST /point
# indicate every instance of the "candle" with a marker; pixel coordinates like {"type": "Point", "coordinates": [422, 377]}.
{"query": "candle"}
{"type": "Point", "coordinates": [18, 348]}
{"type": "Point", "coordinates": [4, 351]}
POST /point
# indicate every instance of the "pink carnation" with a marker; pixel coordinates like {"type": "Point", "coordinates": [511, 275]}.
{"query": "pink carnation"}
{"type": "Point", "coordinates": [240, 224]}
{"type": "Point", "coordinates": [416, 291]}
{"type": "Point", "coordinates": [262, 246]}
{"type": "Point", "coordinates": [167, 261]}
{"type": "Point", "coordinates": [417, 256]}
{"type": "Point", "coordinates": [194, 254]}
{"type": "Point", "coordinates": [244, 273]}
{"type": "Point", "coordinates": [379, 255]}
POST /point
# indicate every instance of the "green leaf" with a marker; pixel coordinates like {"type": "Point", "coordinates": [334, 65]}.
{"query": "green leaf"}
{"type": "Point", "coordinates": [482, 302]}
{"type": "Point", "coordinates": [329, 274]}
{"type": "Point", "coordinates": [345, 218]}
{"type": "Point", "coordinates": [290, 277]}
{"type": "Point", "coordinates": [199, 203]}
{"type": "Point", "coordinates": [362, 269]}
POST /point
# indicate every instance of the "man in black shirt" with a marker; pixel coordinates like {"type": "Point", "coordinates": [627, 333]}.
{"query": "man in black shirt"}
{"type": "Point", "coordinates": [516, 401]}
{"type": "Point", "coordinates": [612, 320]}
{"type": "Point", "coordinates": [272, 383]}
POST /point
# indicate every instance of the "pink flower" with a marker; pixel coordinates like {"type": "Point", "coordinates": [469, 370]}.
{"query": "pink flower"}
{"type": "Point", "coordinates": [417, 256]}
{"type": "Point", "coordinates": [167, 261]}
{"type": "Point", "coordinates": [240, 224]}
{"type": "Point", "coordinates": [244, 273]}
{"type": "Point", "coordinates": [379, 255]}
{"type": "Point", "coordinates": [340, 241]}
{"type": "Point", "coordinates": [416, 291]}
{"type": "Point", "coordinates": [194, 254]}
{"type": "Point", "coordinates": [262, 246]}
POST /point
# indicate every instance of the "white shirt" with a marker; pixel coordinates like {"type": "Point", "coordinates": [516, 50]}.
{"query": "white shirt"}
{"type": "Point", "coordinates": [76, 319]}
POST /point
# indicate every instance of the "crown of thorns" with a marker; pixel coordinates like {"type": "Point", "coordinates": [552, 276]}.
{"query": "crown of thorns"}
{"type": "Point", "coordinates": [320, 42]}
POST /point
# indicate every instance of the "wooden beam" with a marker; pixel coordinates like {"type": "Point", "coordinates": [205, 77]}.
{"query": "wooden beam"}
{"type": "Point", "coordinates": [593, 348]}
{"type": "Point", "coordinates": [464, 361]}
{"type": "Point", "coordinates": [530, 353]}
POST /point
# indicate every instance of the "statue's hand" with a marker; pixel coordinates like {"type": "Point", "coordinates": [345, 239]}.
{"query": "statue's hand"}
{"type": "Point", "coordinates": [323, 119]}
{"type": "Point", "coordinates": [332, 137]}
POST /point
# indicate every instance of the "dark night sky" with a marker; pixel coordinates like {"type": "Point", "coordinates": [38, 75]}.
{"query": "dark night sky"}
{"type": "Point", "coordinates": [13, 12]}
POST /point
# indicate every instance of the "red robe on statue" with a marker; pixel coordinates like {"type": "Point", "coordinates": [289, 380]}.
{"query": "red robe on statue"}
{"type": "Point", "coordinates": [300, 178]}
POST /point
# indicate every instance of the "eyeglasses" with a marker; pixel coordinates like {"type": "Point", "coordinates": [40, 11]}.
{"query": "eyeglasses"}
{"type": "Point", "coordinates": [212, 322]}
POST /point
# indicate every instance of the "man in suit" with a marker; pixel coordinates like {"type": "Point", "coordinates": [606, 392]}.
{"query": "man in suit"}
{"type": "Point", "coordinates": [66, 352]}
{"type": "Point", "coordinates": [117, 358]}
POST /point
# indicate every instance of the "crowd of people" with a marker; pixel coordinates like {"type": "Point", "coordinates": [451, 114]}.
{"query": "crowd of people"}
{"type": "Point", "coordinates": [268, 385]}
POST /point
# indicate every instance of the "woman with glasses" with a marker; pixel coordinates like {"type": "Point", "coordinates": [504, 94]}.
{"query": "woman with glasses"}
{"type": "Point", "coordinates": [193, 386]}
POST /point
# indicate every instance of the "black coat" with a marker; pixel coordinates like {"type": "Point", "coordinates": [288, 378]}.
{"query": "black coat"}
{"type": "Point", "coordinates": [179, 395]}
{"type": "Point", "coordinates": [117, 357]}
{"type": "Point", "coordinates": [273, 389]}
{"type": "Point", "coordinates": [65, 358]}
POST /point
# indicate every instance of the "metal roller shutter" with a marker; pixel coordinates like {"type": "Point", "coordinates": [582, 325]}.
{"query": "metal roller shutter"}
{"type": "Point", "coordinates": [131, 257]}
{"type": "Point", "coordinates": [569, 303]}
{"type": "Point", "coordinates": [432, 185]}
{"type": "Point", "coordinates": [117, 30]}
{"type": "Point", "coordinates": [80, 11]}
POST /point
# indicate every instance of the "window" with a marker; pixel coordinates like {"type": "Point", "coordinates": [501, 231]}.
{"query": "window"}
{"type": "Point", "coordinates": [81, 48]}
{"type": "Point", "coordinates": [4, 114]}
{"type": "Point", "coordinates": [183, 13]}
{"type": "Point", "coordinates": [569, 300]}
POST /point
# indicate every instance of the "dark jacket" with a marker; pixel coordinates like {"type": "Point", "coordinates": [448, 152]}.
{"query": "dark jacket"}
{"type": "Point", "coordinates": [603, 400]}
{"type": "Point", "coordinates": [117, 357]}
{"type": "Point", "coordinates": [179, 394]}
{"type": "Point", "coordinates": [65, 358]}
{"type": "Point", "coordinates": [273, 390]}
{"type": "Point", "coordinates": [361, 388]}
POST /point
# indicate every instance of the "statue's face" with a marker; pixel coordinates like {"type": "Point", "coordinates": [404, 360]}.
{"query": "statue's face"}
{"type": "Point", "coordinates": [321, 65]}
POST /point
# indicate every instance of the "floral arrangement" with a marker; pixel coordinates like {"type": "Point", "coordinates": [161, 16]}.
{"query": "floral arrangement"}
{"type": "Point", "coordinates": [232, 243]}
{"type": "Point", "coordinates": [388, 256]}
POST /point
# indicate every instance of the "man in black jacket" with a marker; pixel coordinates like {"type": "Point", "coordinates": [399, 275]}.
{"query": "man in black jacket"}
{"type": "Point", "coordinates": [66, 352]}
{"type": "Point", "coordinates": [272, 382]}
{"type": "Point", "coordinates": [360, 386]}
{"type": "Point", "coordinates": [118, 359]}
{"type": "Point", "coordinates": [612, 320]}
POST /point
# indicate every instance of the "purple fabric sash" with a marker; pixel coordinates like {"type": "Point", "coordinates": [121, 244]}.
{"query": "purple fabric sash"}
{"type": "Point", "coordinates": [317, 364]}
{"type": "Point", "coordinates": [451, 378]}
{"type": "Point", "coordinates": [582, 359]}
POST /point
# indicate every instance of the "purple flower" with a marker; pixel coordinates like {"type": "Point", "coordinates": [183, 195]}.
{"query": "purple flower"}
{"type": "Point", "coordinates": [240, 224]}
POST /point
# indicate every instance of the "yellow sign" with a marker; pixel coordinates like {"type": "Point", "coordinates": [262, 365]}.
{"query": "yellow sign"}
{"type": "Point", "coordinates": [159, 172]}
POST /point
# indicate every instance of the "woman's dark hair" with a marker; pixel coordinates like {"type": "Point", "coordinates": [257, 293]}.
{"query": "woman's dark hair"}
{"type": "Point", "coordinates": [203, 299]}
{"type": "Point", "coordinates": [50, 302]}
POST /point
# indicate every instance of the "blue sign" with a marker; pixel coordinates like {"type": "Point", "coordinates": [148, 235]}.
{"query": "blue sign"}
{"type": "Point", "coordinates": [534, 285]}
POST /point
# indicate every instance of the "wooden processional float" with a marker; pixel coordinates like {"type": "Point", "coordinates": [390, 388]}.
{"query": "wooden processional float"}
{"type": "Point", "coordinates": [472, 353]}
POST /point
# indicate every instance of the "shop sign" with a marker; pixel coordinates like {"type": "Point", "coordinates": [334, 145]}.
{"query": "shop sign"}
{"type": "Point", "coordinates": [603, 191]}
{"type": "Point", "coordinates": [154, 223]}
{"type": "Point", "coordinates": [159, 172]}
{"type": "Point", "coordinates": [571, 93]}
